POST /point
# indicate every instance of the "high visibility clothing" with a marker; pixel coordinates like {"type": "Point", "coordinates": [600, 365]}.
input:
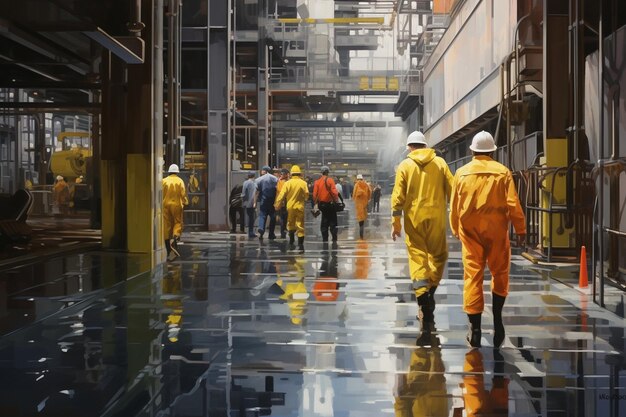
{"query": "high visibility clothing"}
{"type": "Point", "coordinates": [174, 198]}
{"type": "Point", "coordinates": [422, 391]}
{"type": "Point", "coordinates": [422, 188]}
{"type": "Point", "coordinates": [296, 192]}
{"type": "Point", "coordinates": [279, 186]}
{"type": "Point", "coordinates": [361, 196]}
{"type": "Point", "coordinates": [483, 203]}
{"type": "Point", "coordinates": [61, 192]}
{"type": "Point", "coordinates": [479, 401]}
{"type": "Point", "coordinates": [324, 190]}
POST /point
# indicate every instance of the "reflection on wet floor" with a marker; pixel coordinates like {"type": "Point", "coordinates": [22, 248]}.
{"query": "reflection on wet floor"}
{"type": "Point", "coordinates": [242, 328]}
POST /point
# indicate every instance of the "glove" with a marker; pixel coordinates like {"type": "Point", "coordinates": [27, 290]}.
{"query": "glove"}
{"type": "Point", "coordinates": [396, 227]}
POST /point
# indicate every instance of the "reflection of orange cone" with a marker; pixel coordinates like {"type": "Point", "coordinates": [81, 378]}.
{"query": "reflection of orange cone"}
{"type": "Point", "coordinates": [583, 281]}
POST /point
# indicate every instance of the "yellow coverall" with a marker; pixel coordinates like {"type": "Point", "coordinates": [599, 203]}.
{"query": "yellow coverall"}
{"type": "Point", "coordinates": [361, 196]}
{"type": "Point", "coordinates": [296, 192]}
{"type": "Point", "coordinates": [422, 391]}
{"type": "Point", "coordinates": [174, 198]}
{"type": "Point", "coordinates": [423, 184]}
{"type": "Point", "coordinates": [483, 202]}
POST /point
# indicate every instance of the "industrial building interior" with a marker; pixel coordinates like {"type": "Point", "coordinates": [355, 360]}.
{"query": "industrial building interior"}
{"type": "Point", "coordinates": [99, 98]}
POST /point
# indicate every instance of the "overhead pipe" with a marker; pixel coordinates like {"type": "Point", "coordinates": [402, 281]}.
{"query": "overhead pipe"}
{"type": "Point", "coordinates": [136, 25]}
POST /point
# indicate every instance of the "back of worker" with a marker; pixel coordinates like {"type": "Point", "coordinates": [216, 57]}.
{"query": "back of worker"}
{"type": "Point", "coordinates": [421, 191]}
{"type": "Point", "coordinates": [483, 202]}
{"type": "Point", "coordinates": [295, 192]}
{"type": "Point", "coordinates": [174, 198]}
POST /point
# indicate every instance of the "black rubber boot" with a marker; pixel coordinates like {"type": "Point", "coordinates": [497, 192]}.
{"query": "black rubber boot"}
{"type": "Point", "coordinates": [292, 237]}
{"type": "Point", "coordinates": [474, 335]}
{"type": "Point", "coordinates": [333, 232]}
{"type": "Point", "coordinates": [497, 304]}
{"type": "Point", "coordinates": [431, 295]}
{"type": "Point", "coordinates": [168, 248]}
{"type": "Point", "coordinates": [301, 243]}
{"type": "Point", "coordinates": [425, 317]}
{"type": "Point", "coordinates": [361, 229]}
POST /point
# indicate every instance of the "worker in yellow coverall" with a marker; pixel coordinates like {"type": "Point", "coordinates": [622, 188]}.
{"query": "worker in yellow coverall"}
{"type": "Point", "coordinates": [296, 192]}
{"type": "Point", "coordinates": [361, 196]}
{"type": "Point", "coordinates": [174, 198]}
{"type": "Point", "coordinates": [422, 188]}
{"type": "Point", "coordinates": [483, 203]}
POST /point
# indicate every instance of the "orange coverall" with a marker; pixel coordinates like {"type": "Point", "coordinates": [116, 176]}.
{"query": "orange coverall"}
{"type": "Point", "coordinates": [361, 196]}
{"type": "Point", "coordinates": [482, 204]}
{"type": "Point", "coordinates": [479, 401]}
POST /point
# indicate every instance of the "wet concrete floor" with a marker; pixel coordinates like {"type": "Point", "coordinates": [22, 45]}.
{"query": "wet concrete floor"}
{"type": "Point", "coordinates": [238, 327]}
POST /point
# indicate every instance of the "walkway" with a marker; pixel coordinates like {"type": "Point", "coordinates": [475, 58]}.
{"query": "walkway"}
{"type": "Point", "coordinates": [243, 328]}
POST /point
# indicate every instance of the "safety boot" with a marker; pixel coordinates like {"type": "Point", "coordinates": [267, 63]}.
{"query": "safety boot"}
{"type": "Point", "coordinates": [497, 304]}
{"type": "Point", "coordinates": [361, 230]}
{"type": "Point", "coordinates": [292, 237]}
{"type": "Point", "coordinates": [168, 248]}
{"type": "Point", "coordinates": [425, 317]}
{"type": "Point", "coordinates": [301, 243]}
{"type": "Point", "coordinates": [474, 334]}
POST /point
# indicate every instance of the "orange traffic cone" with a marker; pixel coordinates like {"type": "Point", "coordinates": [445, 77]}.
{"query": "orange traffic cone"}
{"type": "Point", "coordinates": [583, 280]}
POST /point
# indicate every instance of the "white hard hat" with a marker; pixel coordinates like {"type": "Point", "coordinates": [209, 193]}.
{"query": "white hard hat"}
{"type": "Point", "coordinates": [483, 142]}
{"type": "Point", "coordinates": [173, 169]}
{"type": "Point", "coordinates": [59, 177]}
{"type": "Point", "coordinates": [359, 177]}
{"type": "Point", "coordinates": [416, 138]}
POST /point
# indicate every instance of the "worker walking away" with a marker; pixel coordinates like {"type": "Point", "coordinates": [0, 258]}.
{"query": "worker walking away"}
{"type": "Point", "coordinates": [174, 198]}
{"type": "Point", "coordinates": [376, 198]}
{"type": "Point", "coordinates": [247, 201]}
{"type": "Point", "coordinates": [361, 196]}
{"type": "Point", "coordinates": [422, 188]}
{"type": "Point", "coordinates": [282, 212]}
{"type": "Point", "coordinates": [235, 207]}
{"type": "Point", "coordinates": [264, 199]}
{"type": "Point", "coordinates": [295, 192]}
{"type": "Point", "coordinates": [324, 195]}
{"type": "Point", "coordinates": [61, 194]}
{"type": "Point", "coordinates": [483, 203]}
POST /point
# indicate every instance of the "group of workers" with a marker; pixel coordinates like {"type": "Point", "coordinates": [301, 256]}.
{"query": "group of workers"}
{"type": "Point", "coordinates": [63, 193]}
{"type": "Point", "coordinates": [483, 201]}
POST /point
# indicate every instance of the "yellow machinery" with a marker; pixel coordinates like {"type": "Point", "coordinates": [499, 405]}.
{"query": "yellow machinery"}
{"type": "Point", "coordinates": [553, 195]}
{"type": "Point", "coordinates": [71, 160]}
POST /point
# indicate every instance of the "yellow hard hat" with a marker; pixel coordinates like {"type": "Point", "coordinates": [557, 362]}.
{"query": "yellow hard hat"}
{"type": "Point", "coordinates": [295, 170]}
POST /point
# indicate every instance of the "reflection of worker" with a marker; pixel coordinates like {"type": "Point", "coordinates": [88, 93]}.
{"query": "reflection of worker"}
{"type": "Point", "coordinates": [174, 198]}
{"type": "Point", "coordinates": [422, 391]}
{"type": "Point", "coordinates": [172, 285]}
{"type": "Point", "coordinates": [361, 196]}
{"type": "Point", "coordinates": [483, 202]}
{"type": "Point", "coordinates": [295, 293]}
{"type": "Point", "coordinates": [326, 287]}
{"type": "Point", "coordinates": [423, 183]}
{"type": "Point", "coordinates": [61, 193]}
{"type": "Point", "coordinates": [295, 192]}
{"type": "Point", "coordinates": [362, 260]}
{"type": "Point", "coordinates": [478, 401]}
{"type": "Point", "coordinates": [282, 211]}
